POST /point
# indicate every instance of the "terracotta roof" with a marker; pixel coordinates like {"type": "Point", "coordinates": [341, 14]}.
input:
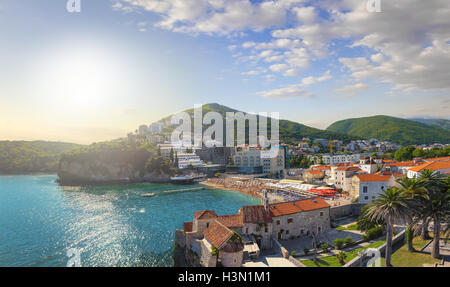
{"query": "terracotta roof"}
{"type": "Point", "coordinates": [373, 177]}
{"type": "Point", "coordinates": [187, 227]}
{"type": "Point", "coordinates": [434, 165]}
{"type": "Point", "coordinates": [291, 207]}
{"type": "Point", "coordinates": [205, 214]}
{"type": "Point", "coordinates": [255, 214]}
{"type": "Point", "coordinates": [315, 171]}
{"type": "Point", "coordinates": [390, 173]}
{"type": "Point", "coordinates": [322, 167]}
{"type": "Point", "coordinates": [234, 220]}
{"type": "Point", "coordinates": [349, 168]}
{"type": "Point", "coordinates": [217, 234]}
{"type": "Point", "coordinates": [404, 163]}
{"type": "Point", "coordinates": [445, 158]}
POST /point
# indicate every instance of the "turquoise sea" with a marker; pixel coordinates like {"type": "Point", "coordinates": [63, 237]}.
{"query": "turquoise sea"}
{"type": "Point", "coordinates": [107, 225]}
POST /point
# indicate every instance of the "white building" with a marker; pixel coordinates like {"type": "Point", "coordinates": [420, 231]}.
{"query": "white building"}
{"type": "Point", "coordinates": [369, 186]}
{"type": "Point", "coordinates": [186, 160]}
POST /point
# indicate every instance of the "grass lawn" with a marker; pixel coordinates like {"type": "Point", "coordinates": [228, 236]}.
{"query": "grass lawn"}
{"type": "Point", "coordinates": [404, 258]}
{"type": "Point", "coordinates": [332, 261]}
{"type": "Point", "coordinates": [350, 227]}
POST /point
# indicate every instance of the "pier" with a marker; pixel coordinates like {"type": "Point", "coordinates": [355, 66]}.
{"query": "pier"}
{"type": "Point", "coordinates": [173, 191]}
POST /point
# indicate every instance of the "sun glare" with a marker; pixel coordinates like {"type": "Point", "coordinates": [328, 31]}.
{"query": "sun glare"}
{"type": "Point", "coordinates": [78, 79]}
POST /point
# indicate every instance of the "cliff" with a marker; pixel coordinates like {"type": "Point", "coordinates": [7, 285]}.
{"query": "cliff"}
{"type": "Point", "coordinates": [112, 163]}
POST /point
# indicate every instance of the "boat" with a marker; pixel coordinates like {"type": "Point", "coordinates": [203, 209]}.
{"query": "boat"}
{"type": "Point", "coordinates": [148, 194]}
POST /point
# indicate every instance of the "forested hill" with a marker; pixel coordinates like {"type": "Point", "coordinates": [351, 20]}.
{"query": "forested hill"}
{"type": "Point", "coordinates": [31, 156]}
{"type": "Point", "coordinates": [397, 130]}
{"type": "Point", "coordinates": [289, 131]}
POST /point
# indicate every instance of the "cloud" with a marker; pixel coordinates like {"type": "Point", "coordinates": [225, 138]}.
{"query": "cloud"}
{"type": "Point", "coordinates": [407, 44]}
{"type": "Point", "coordinates": [350, 91]}
{"type": "Point", "coordinates": [289, 92]}
{"type": "Point", "coordinates": [312, 80]}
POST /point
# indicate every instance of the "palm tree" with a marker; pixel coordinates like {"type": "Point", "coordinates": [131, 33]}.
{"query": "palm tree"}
{"type": "Point", "coordinates": [431, 181]}
{"type": "Point", "coordinates": [436, 204]}
{"type": "Point", "coordinates": [392, 205]}
{"type": "Point", "coordinates": [412, 187]}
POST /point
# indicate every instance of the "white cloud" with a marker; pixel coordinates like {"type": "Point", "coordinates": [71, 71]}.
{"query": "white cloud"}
{"type": "Point", "coordinates": [278, 67]}
{"type": "Point", "coordinates": [312, 80]}
{"type": "Point", "coordinates": [289, 92]}
{"type": "Point", "coordinates": [350, 91]}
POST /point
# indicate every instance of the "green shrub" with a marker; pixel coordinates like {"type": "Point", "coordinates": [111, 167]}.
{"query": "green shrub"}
{"type": "Point", "coordinates": [324, 247]}
{"type": "Point", "coordinates": [338, 243]}
{"type": "Point", "coordinates": [306, 250]}
{"type": "Point", "coordinates": [373, 233]}
{"type": "Point", "coordinates": [293, 253]}
{"type": "Point", "coordinates": [349, 240]}
{"type": "Point", "coordinates": [341, 257]}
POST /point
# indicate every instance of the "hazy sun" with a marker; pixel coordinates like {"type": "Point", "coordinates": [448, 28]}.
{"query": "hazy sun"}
{"type": "Point", "coordinates": [77, 78]}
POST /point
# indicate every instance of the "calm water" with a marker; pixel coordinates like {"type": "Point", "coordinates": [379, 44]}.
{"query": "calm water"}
{"type": "Point", "coordinates": [109, 225]}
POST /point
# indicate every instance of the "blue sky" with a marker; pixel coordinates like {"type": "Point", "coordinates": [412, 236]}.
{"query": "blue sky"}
{"type": "Point", "coordinates": [98, 74]}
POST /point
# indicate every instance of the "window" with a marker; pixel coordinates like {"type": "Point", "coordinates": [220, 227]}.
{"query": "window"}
{"type": "Point", "coordinates": [366, 197]}
{"type": "Point", "coordinates": [207, 224]}
{"type": "Point", "coordinates": [321, 213]}
{"type": "Point", "coordinates": [318, 229]}
{"type": "Point", "coordinates": [290, 220]}
{"type": "Point", "coordinates": [266, 230]}
{"type": "Point", "coordinates": [364, 189]}
{"type": "Point", "coordinates": [278, 222]}
{"type": "Point", "coordinates": [246, 230]}
{"type": "Point", "coordinates": [287, 231]}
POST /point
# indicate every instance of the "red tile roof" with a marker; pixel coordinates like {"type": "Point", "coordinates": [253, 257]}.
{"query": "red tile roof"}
{"type": "Point", "coordinates": [445, 158]}
{"type": "Point", "coordinates": [348, 168]}
{"type": "Point", "coordinates": [434, 165]}
{"type": "Point", "coordinates": [404, 163]}
{"type": "Point", "coordinates": [187, 227]}
{"type": "Point", "coordinates": [234, 220]}
{"type": "Point", "coordinates": [373, 177]}
{"type": "Point", "coordinates": [315, 171]}
{"type": "Point", "coordinates": [205, 214]}
{"type": "Point", "coordinates": [322, 167]}
{"type": "Point", "coordinates": [217, 234]}
{"type": "Point", "coordinates": [255, 214]}
{"type": "Point", "coordinates": [291, 207]}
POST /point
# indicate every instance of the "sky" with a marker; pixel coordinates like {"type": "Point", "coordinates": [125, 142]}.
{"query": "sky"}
{"type": "Point", "coordinates": [98, 74]}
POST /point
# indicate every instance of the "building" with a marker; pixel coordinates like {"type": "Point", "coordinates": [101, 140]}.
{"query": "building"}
{"type": "Point", "coordinates": [312, 175]}
{"type": "Point", "coordinates": [343, 176]}
{"type": "Point", "coordinates": [328, 159]}
{"type": "Point", "coordinates": [186, 160]}
{"type": "Point", "coordinates": [273, 162]}
{"type": "Point", "coordinates": [369, 186]}
{"type": "Point", "coordinates": [155, 128]}
{"type": "Point", "coordinates": [438, 166]}
{"type": "Point", "coordinates": [215, 155]}
{"type": "Point", "coordinates": [248, 160]}
{"type": "Point", "coordinates": [300, 218]}
{"type": "Point", "coordinates": [211, 240]}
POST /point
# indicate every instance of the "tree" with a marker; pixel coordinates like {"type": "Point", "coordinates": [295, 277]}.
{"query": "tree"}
{"type": "Point", "coordinates": [431, 181]}
{"type": "Point", "coordinates": [404, 154]}
{"type": "Point", "coordinates": [341, 257]}
{"type": "Point", "coordinates": [435, 203]}
{"type": "Point", "coordinates": [391, 206]}
{"type": "Point", "coordinates": [412, 188]}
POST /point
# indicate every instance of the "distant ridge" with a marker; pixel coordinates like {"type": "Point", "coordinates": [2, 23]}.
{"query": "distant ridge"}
{"type": "Point", "coordinates": [396, 130]}
{"type": "Point", "coordinates": [442, 123]}
{"type": "Point", "coordinates": [289, 131]}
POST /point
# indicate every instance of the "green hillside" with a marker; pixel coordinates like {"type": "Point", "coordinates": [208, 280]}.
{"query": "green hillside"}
{"type": "Point", "coordinates": [442, 123]}
{"type": "Point", "coordinates": [31, 156]}
{"type": "Point", "coordinates": [392, 129]}
{"type": "Point", "coordinates": [289, 131]}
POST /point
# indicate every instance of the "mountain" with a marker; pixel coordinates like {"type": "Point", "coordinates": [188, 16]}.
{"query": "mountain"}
{"type": "Point", "coordinates": [289, 131]}
{"type": "Point", "coordinates": [31, 156]}
{"type": "Point", "coordinates": [392, 129]}
{"type": "Point", "coordinates": [443, 123]}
